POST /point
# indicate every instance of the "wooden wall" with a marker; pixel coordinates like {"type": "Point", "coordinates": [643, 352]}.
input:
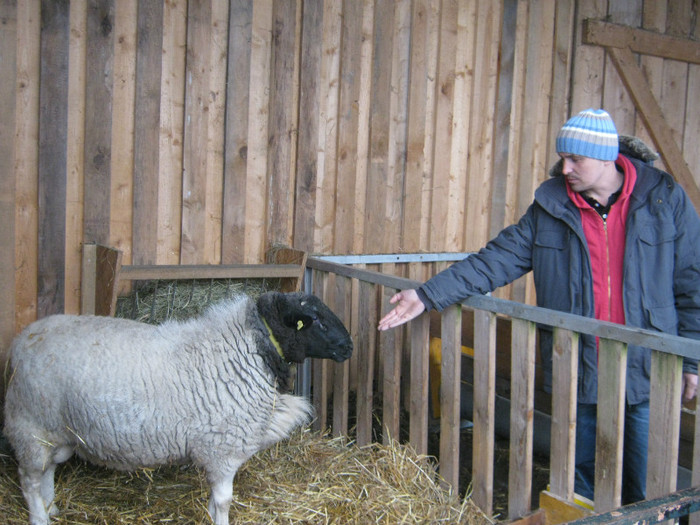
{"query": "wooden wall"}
{"type": "Point", "coordinates": [208, 131]}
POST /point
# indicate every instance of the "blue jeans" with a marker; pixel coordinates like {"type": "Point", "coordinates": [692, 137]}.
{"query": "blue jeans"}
{"type": "Point", "coordinates": [634, 455]}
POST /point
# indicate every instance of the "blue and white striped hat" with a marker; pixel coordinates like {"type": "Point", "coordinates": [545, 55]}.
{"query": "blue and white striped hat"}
{"type": "Point", "coordinates": [591, 133]}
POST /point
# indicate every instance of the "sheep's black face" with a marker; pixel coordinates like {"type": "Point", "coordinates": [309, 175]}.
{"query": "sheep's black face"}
{"type": "Point", "coordinates": [305, 327]}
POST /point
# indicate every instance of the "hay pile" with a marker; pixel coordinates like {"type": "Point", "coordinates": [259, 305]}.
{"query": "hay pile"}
{"type": "Point", "coordinates": [310, 479]}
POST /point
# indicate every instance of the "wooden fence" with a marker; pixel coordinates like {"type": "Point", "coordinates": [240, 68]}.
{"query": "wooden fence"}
{"type": "Point", "coordinates": [359, 296]}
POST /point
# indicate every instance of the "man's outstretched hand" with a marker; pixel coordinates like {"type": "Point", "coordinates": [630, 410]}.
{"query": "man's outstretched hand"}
{"type": "Point", "coordinates": [408, 306]}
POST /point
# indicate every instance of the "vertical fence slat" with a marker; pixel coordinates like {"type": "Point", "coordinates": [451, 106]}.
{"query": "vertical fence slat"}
{"type": "Point", "coordinates": [366, 331]}
{"type": "Point", "coordinates": [341, 384]}
{"type": "Point", "coordinates": [484, 406]}
{"type": "Point", "coordinates": [320, 366]}
{"type": "Point", "coordinates": [612, 366]}
{"type": "Point", "coordinates": [391, 395]}
{"type": "Point", "coordinates": [450, 394]}
{"type": "Point", "coordinates": [564, 381]}
{"type": "Point", "coordinates": [664, 427]}
{"type": "Point", "coordinates": [418, 425]}
{"type": "Point", "coordinates": [695, 481]}
{"type": "Point", "coordinates": [522, 410]}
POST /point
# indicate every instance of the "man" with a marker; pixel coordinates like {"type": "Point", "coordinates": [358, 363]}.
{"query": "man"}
{"type": "Point", "coordinates": [610, 237]}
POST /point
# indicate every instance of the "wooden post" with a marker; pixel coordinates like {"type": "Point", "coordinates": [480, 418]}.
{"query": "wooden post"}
{"type": "Point", "coordinates": [612, 369]}
{"type": "Point", "coordinates": [450, 394]}
{"type": "Point", "coordinates": [484, 406]}
{"type": "Point", "coordinates": [664, 426]}
{"type": "Point", "coordinates": [418, 425]}
{"type": "Point", "coordinates": [564, 385]}
{"type": "Point", "coordinates": [522, 411]}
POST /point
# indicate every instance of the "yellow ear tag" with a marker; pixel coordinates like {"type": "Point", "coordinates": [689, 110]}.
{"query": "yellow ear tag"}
{"type": "Point", "coordinates": [300, 324]}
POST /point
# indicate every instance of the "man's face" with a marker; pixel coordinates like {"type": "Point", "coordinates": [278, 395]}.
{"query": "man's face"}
{"type": "Point", "coordinates": [582, 173]}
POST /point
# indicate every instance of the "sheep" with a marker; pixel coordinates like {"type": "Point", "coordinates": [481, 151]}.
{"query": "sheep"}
{"type": "Point", "coordinates": [210, 391]}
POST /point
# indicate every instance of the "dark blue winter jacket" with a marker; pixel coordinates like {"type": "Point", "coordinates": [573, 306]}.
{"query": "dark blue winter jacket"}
{"type": "Point", "coordinates": [661, 274]}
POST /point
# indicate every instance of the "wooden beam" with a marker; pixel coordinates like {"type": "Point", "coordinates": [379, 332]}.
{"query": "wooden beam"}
{"type": "Point", "coordinates": [205, 271]}
{"type": "Point", "coordinates": [656, 510]}
{"type": "Point", "coordinates": [450, 392]}
{"type": "Point", "coordinates": [650, 111]}
{"type": "Point", "coordinates": [651, 43]}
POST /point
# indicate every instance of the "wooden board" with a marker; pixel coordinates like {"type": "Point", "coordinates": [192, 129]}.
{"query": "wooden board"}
{"type": "Point", "coordinates": [147, 104]}
{"type": "Point", "coordinates": [53, 127]}
{"type": "Point", "coordinates": [98, 120]}
{"type": "Point", "coordinates": [8, 83]}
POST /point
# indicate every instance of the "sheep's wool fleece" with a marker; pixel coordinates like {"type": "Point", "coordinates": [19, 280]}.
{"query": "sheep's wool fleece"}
{"type": "Point", "coordinates": [133, 395]}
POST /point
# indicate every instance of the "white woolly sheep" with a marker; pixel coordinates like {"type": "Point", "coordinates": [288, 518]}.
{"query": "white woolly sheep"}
{"type": "Point", "coordinates": [126, 395]}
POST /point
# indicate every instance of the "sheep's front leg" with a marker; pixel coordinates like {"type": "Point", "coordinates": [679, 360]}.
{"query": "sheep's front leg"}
{"type": "Point", "coordinates": [221, 494]}
{"type": "Point", "coordinates": [32, 482]}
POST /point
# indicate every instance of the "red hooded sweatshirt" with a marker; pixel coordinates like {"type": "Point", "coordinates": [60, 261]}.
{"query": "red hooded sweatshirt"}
{"type": "Point", "coordinates": [606, 245]}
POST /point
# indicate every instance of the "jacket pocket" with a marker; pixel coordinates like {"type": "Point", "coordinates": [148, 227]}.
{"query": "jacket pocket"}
{"type": "Point", "coordinates": [663, 318]}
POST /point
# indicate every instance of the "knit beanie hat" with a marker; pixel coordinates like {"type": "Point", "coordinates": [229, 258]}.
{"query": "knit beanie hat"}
{"type": "Point", "coordinates": [591, 133]}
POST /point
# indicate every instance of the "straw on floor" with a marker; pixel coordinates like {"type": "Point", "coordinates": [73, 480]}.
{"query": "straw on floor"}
{"type": "Point", "coordinates": [310, 478]}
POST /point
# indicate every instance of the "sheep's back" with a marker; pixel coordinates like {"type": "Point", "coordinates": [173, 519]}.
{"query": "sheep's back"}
{"type": "Point", "coordinates": [128, 394]}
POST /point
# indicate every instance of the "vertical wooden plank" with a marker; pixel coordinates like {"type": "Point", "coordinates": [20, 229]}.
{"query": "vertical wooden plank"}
{"type": "Point", "coordinates": [675, 73]}
{"type": "Point", "coordinates": [418, 424]}
{"type": "Point", "coordinates": [450, 394]}
{"type": "Point", "coordinates": [98, 120]}
{"type": "Point", "coordinates": [237, 104]}
{"type": "Point", "coordinates": [504, 102]}
{"type": "Point", "coordinates": [8, 100]}
{"type": "Point", "coordinates": [562, 65]}
{"type": "Point", "coordinates": [320, 392]}
{"type": "Point", "coordinates": [460, 120]}
{"type": "Point", "coordinates": [363, 127]}
{"type": "Point", "coordinates": [194, 165]}
{"type": "Point", "coordinates": [147, 105]}
{"type": "Point", "coordinates": [53, 126]}
{"type": "Point", "coordinates": [284, 111]}
{"type": "Point", "coordinates": [664, 426]}
{"type": "Point", "coordinates": [341, 388]}
{"type": "Point", "coordinates": [612, 367]}
{"type": "Point", "coordinates": [377, 176]}
{"type": "Point", "coordinates": [564, 386]}
{"type": "Point", "coordinates": [216, 108]}
{"type": "Point", "coordinates": [123, 132]}
{"type": "Point", "coordinates": [366, 337]}
{"type": "Point", "coordinates": [522, 410]}
{"type": "Point", "coordinates": [398, 112]}
{"type": "Point", "coordinates": [348, 115]}
{"type": "Point", "coordinates": [695, 476]}
{"type": "Point", "coordinates": [202, 164]}
{"type": "Point", "coordinates": [75, 150]}
{"type": "Point", "coordinates": [441, 200]}
{"type": "Point", "coordinates": [171, 144]}
{"type": "Point", "coordinates": [616, 99]}
{"type": "Point", "coordinates": [26, 167]}
{"type": "Point", "coordinates": [89, 279]}
{"type": "Point", "coordinates": [484, 406]}
{"type": "Point", "coordinates": [534, 126]}
{"type": "Point", "coordinates": [307, 158]}
{"type": "Point", "coordinates": [586, 80]}
{"type": "Point", "coordinates": [389, 342]}
{"type": "Point", "coordinates": [327, 140]}
{"type": "Point", "coordinates": [258, 121]}
{"type": "Point", "coordinates": [420, 133]}
{"type": "Point", "coordinates": [475, 231]}
{"type": "Point", "coordinates": [653, 19]}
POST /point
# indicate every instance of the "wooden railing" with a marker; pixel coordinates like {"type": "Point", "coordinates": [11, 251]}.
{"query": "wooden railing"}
{"type": "Point", "coordinates": [360, 296]}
